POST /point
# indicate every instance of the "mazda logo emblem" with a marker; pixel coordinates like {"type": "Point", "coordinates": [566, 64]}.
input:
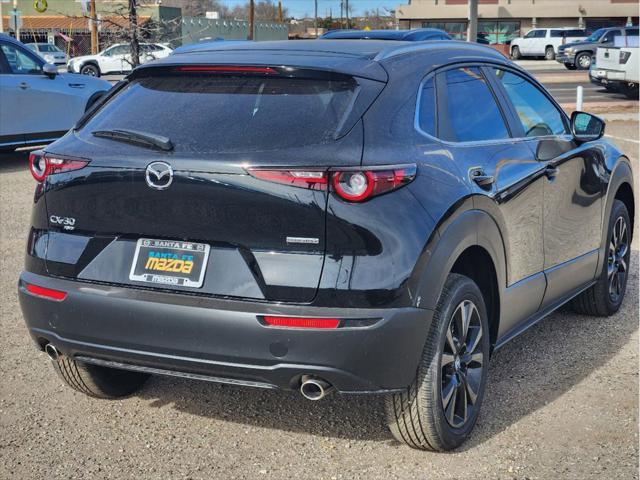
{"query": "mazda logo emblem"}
{"type": "Point", "coordinates": [159, 175]}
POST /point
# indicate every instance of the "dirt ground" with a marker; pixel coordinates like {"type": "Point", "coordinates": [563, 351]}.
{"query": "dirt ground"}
{"type": "Point", "coordinates": [562, 402]}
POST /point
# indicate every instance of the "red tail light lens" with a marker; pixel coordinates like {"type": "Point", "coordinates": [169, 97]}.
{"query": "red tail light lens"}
{"type": "Point", "coordinates": [229, 69]}
{"type": "Point", "coordinates": [350, 185]}
{"type": "Point", "coordinates": [358, 186]}
{"type": "Point", "coordinates": [49, 293]}
{"type": "Point", "coordinates": [313, 179]}
{"type": "Point", "coordinates": [43, 165]}
{"type": "Point", "coordinates": [301, 322]}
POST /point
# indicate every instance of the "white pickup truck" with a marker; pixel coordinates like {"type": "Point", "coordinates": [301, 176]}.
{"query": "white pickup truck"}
{"type": "Point", "coordinates": [617, 69]}
{"type": "Point", "coordinates": [545, 41]}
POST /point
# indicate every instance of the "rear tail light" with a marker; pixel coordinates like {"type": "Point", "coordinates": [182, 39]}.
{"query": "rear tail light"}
{"type": "Point", "coordinates": [227, 69]}
{"type": "Point", "coordinates": [43, 164]}
{"type": "Point", "coordinates": [43, 292]}
{"type": "Point", "coordinates": [350, 185]}
{"type": "Point", "coordinates": [624, 57]}
{"type": "Point", "coordinates": [301, 322]}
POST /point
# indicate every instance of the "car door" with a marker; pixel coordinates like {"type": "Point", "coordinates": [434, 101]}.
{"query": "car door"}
{"type": "Point", "coordinates": [609, 38]}
{"type": "Point", "coordinates": [504, 179]}
{"type": "Point", "coordinates": [11, 97]}
{"type": "Point", "coordinates": [111, 59]}
{"type": "Point", "coordinates": [539, 42]}
{"type": "Point", "coordinates": [573, 189]}
{"type": "Point", "coordinates": [38, 106]}
{"type": "Point", "coordinates": [526, 45]}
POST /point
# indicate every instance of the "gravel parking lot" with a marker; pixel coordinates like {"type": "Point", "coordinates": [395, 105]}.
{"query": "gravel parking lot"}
{"type": "Point", "coordinates": [562, 402]}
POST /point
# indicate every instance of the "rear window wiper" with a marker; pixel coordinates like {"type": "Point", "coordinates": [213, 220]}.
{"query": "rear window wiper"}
{"type": "Point", "coordinates": [135, 137]}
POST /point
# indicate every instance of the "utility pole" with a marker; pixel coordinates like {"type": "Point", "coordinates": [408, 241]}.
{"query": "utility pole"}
{"type": "Point", "coordinates": [315, 16]}
{"type": "Point", "coordinates": [341, 13]}
{"type": "Point", "coordinates": [133, 29]}
{"type": "Point", "coordinates": [1, 22]}
{"type": "Point", "coordinates": [251, 15]}
{"type": "Point", "coordinates": [94, 27]}
{"type": "Point", "coordinates": [472, 29]}
{"type": "Point", "coordinates": [280, 11]}
{"type": "Point", "coordinates": [346, 9]}
{"type": "Point", "coordinates": [16, 27]}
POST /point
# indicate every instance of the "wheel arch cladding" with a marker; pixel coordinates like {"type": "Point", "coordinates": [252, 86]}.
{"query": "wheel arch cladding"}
{"type": "Point", "coordinates": [620, 187]}
{"type": "Point", "coordinates": [468, 245]}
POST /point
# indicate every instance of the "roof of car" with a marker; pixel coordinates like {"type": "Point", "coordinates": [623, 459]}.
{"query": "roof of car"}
{"type": "Point", "coordinates": [364, 58]}
{"type": "Point", "coordinates": [413, 34]}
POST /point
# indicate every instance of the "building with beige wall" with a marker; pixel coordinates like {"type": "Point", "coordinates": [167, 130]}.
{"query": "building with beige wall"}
{"type": "Point", "coordinates": [502, 20]}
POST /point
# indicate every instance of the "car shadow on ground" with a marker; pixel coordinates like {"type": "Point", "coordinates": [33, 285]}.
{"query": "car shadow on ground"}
{"type": "Point", "coordinates": [528, 373]}
{"type": "Point", "coordinates": [14, 161]}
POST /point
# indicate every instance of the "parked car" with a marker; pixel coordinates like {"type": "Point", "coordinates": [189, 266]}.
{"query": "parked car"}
{"type": "Point", "coordinates": [578, 54]}
{"type": "Point", "coordinates": [545, 42]}
{"type": "Point", "coordinates": [414, 35]}
{"type": "Point", "coordinates": [306, 216]}
{"type": "Point", "coordinates": [49, 52]}
{"type": "Point", "coordinates": [617, 69]}
{"type": "Point", "coordinates": [37, 104]}
{"type": "Point", "coordinates": [116, 59]}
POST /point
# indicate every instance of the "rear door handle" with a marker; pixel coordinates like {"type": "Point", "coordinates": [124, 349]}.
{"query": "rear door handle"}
{"type": "Point", "coordinates": [483, 180]}
{"type": "Point", "coordinates": [23, 85]}
{"type": "Point", "coordinates": [551, 172]}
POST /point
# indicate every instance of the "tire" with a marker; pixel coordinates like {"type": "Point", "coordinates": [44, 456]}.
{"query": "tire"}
{"type": "Point", "coordinates": [515, 53]}
{"type": "Point", "coordinates": [419, 415]}
{"type": "Point", "coordinates": [583, 61]}
{"type": "Point", "coordinates": [570, 66]}
{"type": "Point", "coordinates": [90, 69]}
{"type": "Point", "coordinates": [549, 54]}
{"type": "Point", "coordinates": [631, 92]}
{"type": "Point", "coordinates": [605, 297]}
{"type": "Point", "coordinates": [96, 381]}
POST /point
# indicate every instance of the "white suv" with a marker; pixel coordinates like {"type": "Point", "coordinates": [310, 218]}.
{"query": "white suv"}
{"type": "Point", "coordinates": [116, 59]}
{"type": "Point", "coordinates": [545, 42]}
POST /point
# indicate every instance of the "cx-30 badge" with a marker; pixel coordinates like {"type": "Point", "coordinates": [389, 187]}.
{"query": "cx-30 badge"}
{"type": "Point", "coordinates": [159, 175]}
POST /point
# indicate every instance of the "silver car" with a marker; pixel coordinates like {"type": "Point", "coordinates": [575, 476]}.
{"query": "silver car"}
{"type": "Point", "coordinates": [50, 53]}
{"type": "Point", "coordinates": [38, 104]}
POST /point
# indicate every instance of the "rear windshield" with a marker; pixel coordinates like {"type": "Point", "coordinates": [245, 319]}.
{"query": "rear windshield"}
{"type": "Point", "coordinates": [225, 114]}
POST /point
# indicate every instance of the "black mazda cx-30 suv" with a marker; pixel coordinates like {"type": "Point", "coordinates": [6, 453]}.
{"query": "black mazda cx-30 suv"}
{"type": "Point", "coordinates": [357, 216]}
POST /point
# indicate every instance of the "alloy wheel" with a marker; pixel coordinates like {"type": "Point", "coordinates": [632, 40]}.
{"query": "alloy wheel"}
{"type": "Point", "coordinates": [618, 259]}
{"type": "Point", "coordinates": [461, 364]}
{"type": "Point", "coordinates": [584, 61]}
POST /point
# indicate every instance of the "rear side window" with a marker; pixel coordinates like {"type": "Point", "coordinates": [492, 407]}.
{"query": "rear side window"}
{"type": "Point", "coordinates": [557, 33]}
{"type": "Point", "coordinates": [468, 92]}
{"type": "Point", "coordinates": [427, 112]}
{"type": "Point", "coordinates": [218, 114]}
{"type": "Point", "coordinates": [537, 114]}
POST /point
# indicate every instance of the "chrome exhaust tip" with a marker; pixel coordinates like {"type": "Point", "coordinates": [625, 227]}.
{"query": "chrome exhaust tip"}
{"type": "Point", "coordinates": [51, 351]}
{"type": "Point", "coordinates": [314, 389]}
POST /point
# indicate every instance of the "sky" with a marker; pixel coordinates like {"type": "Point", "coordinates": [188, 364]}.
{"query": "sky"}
{"type": "Point", "coordinates": [298, 8]}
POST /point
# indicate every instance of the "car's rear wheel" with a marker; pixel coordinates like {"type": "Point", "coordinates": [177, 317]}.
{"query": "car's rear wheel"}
{"type": "Point", "coordinates": [583, 61]}
{"type": "Point", "coordinates": [97, 381]}
{"type": "Point", "coordinates": [440, 407]}
{"type": "Point", "coordinates": [606, 296]}
{"type": "Point", "coordinates": [631, 92]}
{"type": "Point", "coordinates": [90, 70]}
{"type": "Point", "coordinates": [515, 53]}
{"type": "Point", "coordinates": [549, 53]}
{"type": "Point", "coordinates": [570, 66]}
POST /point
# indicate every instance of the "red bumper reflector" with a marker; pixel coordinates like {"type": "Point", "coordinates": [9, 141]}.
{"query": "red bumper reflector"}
{"type": "Point", "coordinates": [56, 295]}
{"type": "Point", "coordinates": [302, 322]}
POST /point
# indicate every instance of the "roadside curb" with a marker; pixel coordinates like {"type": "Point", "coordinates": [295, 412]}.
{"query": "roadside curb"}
{"type": "Point", "coordinates": [621, 106]}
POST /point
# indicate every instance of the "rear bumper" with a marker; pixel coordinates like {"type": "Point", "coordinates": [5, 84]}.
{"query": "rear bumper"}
{"type": "Point", "coordinates": [223, 340]}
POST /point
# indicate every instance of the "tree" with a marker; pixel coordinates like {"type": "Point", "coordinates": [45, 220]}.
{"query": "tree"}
{"type": "Point", "coordinates": [264, 11]}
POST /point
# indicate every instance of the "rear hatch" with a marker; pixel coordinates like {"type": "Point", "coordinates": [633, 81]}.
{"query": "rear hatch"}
{"type": "Point", "coordinates": [608, 59]}
{"type": "Point", "coordinates": [194, 215]}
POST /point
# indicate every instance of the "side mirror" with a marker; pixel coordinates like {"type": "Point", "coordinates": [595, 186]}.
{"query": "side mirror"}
{"type": "Point", "coordinates": [50, 70]}
{"type": "Point", "coordinates": [586, 127]}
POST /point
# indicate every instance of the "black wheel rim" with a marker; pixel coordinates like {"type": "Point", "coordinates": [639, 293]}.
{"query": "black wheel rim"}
{"type": "Point", "coordinates": [618, 260]}
{"type": "Point", "coordinates": [461, 364]}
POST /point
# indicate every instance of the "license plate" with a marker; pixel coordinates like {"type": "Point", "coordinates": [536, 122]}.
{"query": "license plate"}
{"type": "Point", "coordinates": [169, 262]}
